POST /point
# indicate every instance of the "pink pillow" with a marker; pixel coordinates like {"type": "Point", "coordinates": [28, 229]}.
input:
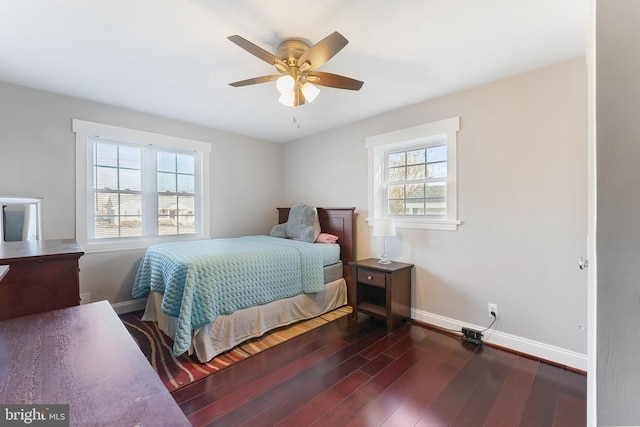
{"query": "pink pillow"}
{"type": "Point", "coordinates": [326, 238]}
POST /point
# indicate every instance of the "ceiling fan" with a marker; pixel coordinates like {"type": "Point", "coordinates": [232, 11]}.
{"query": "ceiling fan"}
{"type": "Point", "coordinates": [296, 63]}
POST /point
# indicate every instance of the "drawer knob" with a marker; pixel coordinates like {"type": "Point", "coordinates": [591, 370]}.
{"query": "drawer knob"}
{"type": "Point", "coordinates": [369, 278]}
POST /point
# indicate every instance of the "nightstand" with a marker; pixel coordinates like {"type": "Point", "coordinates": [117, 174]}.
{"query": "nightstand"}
{"type": "Point", "coordinates": [383, 290]}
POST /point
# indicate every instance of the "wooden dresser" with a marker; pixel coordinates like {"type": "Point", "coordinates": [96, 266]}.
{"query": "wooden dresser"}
{"type": "Point", "coordinates": [4, 269]}
{"type": "Point", "coordinates": [43, 276]}
{"type": "Point", "coordinates": [83, 357]}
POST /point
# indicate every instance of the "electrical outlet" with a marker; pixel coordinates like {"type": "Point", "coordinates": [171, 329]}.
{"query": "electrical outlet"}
{"type": "Point", "coordinates": [492, 308]}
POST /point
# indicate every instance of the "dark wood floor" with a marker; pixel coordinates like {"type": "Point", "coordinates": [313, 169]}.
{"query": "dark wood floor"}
{"type": "Point", "coordinates": [355, 373]}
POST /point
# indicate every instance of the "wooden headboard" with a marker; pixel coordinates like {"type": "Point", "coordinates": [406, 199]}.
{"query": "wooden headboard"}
{"type": "Point", "coordinates": [340, 222]}
{"type": "Point", "coordinates": [336, 221]}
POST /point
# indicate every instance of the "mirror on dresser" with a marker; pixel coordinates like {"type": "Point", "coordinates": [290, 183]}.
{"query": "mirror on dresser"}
{"type": "Point", "coordinates": [21, 219]}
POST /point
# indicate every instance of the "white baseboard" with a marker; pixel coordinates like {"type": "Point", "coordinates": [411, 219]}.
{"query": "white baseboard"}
{"type": "Point", "coordinates": [129, 306]}
{"type": "Point", "coordinates": [518, 344]}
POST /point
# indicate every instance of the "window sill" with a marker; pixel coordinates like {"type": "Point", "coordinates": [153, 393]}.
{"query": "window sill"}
{"type": "Point", "coordinates": [423, 224]}
{"type": "Point", "coordinates": [134, 244]}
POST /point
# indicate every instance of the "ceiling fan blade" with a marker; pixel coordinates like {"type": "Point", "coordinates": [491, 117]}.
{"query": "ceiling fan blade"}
{"type": "Point", "coordinates": [255, 80]}
{"type": "Point", "coordinates": [322, 51]}
{"type": "Point", "coordinates": [334, 80]}
{"type": "Point", "coordinates": [259, 52]}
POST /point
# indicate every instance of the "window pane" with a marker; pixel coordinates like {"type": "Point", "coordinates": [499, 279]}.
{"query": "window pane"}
{"type": "Point", "coordinates": [130, 215]}
{"type": "Point", "coordinates": [437, 190]}
{"type": "Point", "coordinates": [130, 226]}
{"type": "Point", "coordinates": [167, 226]}
{"type": "Point", "coordinates": [186, 164]}
{"type": "Point", "coordinates": [185, 215]}
{"type": "Point", "coordinates": [105, 204]}
{"type": "Point", "coordinates": [106, 154]}
{"type": "Point", "coordinates": [396, 207]}
{"type": "Point", "coordinates": [436, 207]}
{"type": "Point", "coordinates": [416, 156]}
{"type": "Point", "coordinates": [166, 203]}
{"type": "Point", "coordinates": [105, 219]}
{"type": "Point", "coordinates": [130, 205]}
{"type": "Point", "coordinates": [437, 170]}
{"type": "Point", "coordinates": [436, 198]}
{"type": "Point", "coordinates": [130, 180]}
{"type": "Point", "coordinates": [105, 178]}
{"type": "Point", "coordinates": [415, 172]}
{"type": "Point", "coordinates": [186, 184]}
{"type": "Point", "coordinates": [105, 227]}
{"type": "Point", "coordinates": [176, 214]}
{"type": "Point", "coordinates": [166, 161]}
{"type": "Point", "coordinates": [186, 205]}
{"type": "Point", "coordinates": [397, 159]}
{"type": "Point", "coordinates": [117, 215]}
{"type": "Point", "coordinates": [187, 224]}
{"type": "Point", "coordinates": [437, 153]}
{"type": "Point", "coordinates": [415, 191]}
{"type": "Point", "coordinates": [415, 207]}
{"type": "Point", "coordinates": [397, 174]}
{"type": "Point", "coordinates": [167, 214]}
{"type": "Point", "coordinates": [130, 157]}
{"type": "Point", "coordinates": [396, 192]}
{"type": "Point", "coordinates": [166, 182]}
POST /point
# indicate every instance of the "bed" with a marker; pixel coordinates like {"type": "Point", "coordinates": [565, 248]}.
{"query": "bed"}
{"type": "Point", "coordinates": [210, 323]}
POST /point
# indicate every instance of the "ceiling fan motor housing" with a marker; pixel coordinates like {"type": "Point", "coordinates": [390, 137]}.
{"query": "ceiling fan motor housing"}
{"type": "Point", "coordinates": [290, 50]}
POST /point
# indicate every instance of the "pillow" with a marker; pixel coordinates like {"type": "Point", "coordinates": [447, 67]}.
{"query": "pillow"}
{"type": "Point", "coordinates": [303, 224]}
{"type": "Point", "coordinates": [326, 238]}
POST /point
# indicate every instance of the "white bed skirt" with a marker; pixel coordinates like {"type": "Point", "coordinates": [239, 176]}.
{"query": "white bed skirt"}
{"type": "Point", "coordinates": [227, 331]}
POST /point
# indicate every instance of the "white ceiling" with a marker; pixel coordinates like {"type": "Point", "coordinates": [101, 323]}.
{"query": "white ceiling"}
{"type": "Point", "coordinates": [172, 57]}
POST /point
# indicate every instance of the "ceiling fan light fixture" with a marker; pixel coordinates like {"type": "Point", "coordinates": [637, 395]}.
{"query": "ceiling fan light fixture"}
{"type": "Point", "coordinates": [285, 85]}
{"type": "Point", "coordinates": [287, 99]}
{"type": "Point", "coordinates": [280, 66]}
{"type": "Point", "coordinates": [309, 91]}
{"type": "Point", "coordinates": [306, 65]}
{"type": "Point", "coordinates": [297, 62]}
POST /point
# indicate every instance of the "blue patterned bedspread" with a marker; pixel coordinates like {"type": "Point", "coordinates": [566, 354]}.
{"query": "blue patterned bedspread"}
{"type": "Point", "coordinates": [204, 279]}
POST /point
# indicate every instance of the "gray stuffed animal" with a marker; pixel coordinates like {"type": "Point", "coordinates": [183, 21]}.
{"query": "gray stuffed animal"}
{"type": "Point", "coordinates": [302, 224]}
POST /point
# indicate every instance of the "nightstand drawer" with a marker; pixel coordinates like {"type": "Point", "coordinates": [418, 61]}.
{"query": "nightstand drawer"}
{"type": "Point", "coordinates": [370, 277]}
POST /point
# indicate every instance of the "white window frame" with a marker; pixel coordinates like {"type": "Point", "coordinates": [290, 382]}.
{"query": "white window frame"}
{"type": "Point", "coordinates": [86, 131]}
{"type": "Point", "coordinates": [417, 136]}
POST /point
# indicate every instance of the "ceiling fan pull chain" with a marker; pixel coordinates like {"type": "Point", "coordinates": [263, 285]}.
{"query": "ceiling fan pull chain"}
{"type": "Point", "coordinates": [295, 119]}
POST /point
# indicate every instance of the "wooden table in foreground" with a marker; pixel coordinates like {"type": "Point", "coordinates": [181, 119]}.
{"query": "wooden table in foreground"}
{"type": "Point", "coordinates": [84, 357]}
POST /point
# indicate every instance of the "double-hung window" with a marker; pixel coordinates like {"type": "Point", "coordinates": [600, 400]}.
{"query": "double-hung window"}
{"type": "Point", "coordinates": [412, 175]}
{"type": "Point", "coordinates": [136, 188]}
{"type": "Point", "coordinates": [416, 181]}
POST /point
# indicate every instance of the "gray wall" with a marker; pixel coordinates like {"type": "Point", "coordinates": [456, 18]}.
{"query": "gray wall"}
{"type": "Point", "coordinates": [522, 197]}
{"type": "Point", "coordinates": [618, 228]}
{"type": "Point", "coordinates": [37, 158]}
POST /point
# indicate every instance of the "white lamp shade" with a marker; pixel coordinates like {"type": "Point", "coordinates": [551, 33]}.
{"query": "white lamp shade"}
{"type": "Point", "coordinates": [309, 91]}
{"type": "Point", "coordinates": [285, 84]}
{"type": "Point", "coordinates": [384, 227]}
{"type": "Point", "coordinates": [287, 99]}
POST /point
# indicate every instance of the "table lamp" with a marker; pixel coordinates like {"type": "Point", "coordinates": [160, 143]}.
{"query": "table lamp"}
{"type": "Point", "coordinates": [384, 227]}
